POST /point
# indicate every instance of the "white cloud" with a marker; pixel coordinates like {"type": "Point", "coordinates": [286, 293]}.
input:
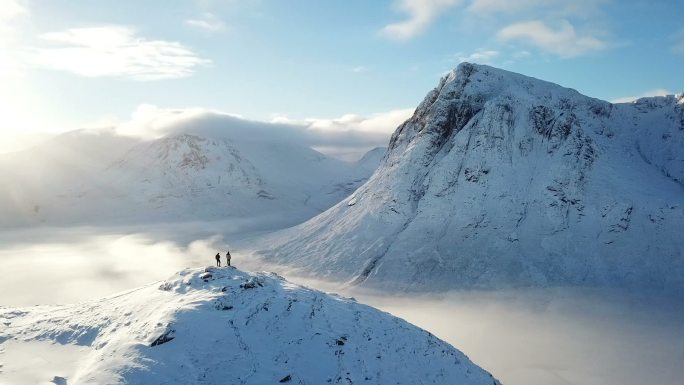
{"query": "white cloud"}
{"type": "Point", "coordinates": [420, 14]}
{"type": "Point", "coordinates": [496, 6]}
{"type": "Point", "coordinates": [116, 51]}
{"type": "Point", "coordinates": [559, 8]}
{"type": "Point", "coordinates": [563, 41]}
{"type": "Point", "coordinates": [656, 92]}
{"type": "Point", "coordinates": [209, 22]}
{"type": "Point", "coordinates": [359, 69]}
{"type": "Point", "coordinates": [149, 121]}
{"type": "Point", "coordinates": [350, 130]}
{"type": "Point", "coordinates": [480, 56]}
{"type": "Point", "coordinates": [350, 136]}
{"type": "Point", "coordinates": [347, 137]}
{"type": "Point", "coordinates": [379, 123]}
{"type": "Point", "coordinates": [11, 9]}
{"type": "Point", "coordinates": [12, 12]}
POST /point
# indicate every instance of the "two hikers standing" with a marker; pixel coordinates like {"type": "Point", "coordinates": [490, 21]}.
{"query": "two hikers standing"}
{"type": "Point", "coordinates": [218, 259]}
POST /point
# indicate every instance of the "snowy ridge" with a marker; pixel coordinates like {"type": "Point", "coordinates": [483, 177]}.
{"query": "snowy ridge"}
{"type": "Point", "coordinates": [222, 325]}
{"type": "Point", "coordinates": [499, 180]}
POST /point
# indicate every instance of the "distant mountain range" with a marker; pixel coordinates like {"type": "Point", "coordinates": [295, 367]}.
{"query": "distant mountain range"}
{"type": "Point", "coordinates": [501, 180]}
{"type": "Point", "coordinates": [193, 173]}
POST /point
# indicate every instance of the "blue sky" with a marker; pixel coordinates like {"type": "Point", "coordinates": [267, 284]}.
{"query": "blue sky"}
{"type": "Point", "coordinates": [80, 63]}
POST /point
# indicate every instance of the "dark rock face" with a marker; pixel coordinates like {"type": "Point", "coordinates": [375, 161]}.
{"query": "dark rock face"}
{"type": "Point", "coordinates": [164, 338]}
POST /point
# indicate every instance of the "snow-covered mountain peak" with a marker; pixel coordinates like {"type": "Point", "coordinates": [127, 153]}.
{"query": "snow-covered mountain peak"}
{"type": "Point", "coordinates": [222, 325]}
{"type": "Point", "coordinates": [479, 83]}
{"type": "Point", "coordinates": [203, 170]}
{"type": "Point", "coordinates": [501, 179]}
{"type": "Point", "coordinates": [470, 88]}
{"type": "Point", "coordinates": [217, 279]}
{"type": "Point", "coordinates": [191, 151]}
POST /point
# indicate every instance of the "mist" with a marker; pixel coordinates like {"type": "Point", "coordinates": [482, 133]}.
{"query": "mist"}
{"type": "Point", "coordinates": [562, 337]}
{"type": "Point", "coordinates": [552, 336]}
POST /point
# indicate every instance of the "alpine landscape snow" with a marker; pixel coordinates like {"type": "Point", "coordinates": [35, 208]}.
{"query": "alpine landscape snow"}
{"type": "Point", "coordinates": [261, 192]}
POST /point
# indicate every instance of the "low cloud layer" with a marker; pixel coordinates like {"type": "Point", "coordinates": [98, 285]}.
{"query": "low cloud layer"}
{"type": "Point", "coordinates": [549, 336]}
{"type": "Point", "coordinates": [656, 92]}
{"type": "Point", "coordinates": [380, 123]}
{"type": "Point", "coordinates": [481, 56]}
{"type": "Point", "coordinates": [523, 337]}
{"type": "Point", "coordinates": [349, 135]}
{"type": "Point", "coordinates": [95, 265]}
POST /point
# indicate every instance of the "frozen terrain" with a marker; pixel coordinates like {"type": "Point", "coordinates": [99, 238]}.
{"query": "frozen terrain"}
{"type": "Point", "coordinates": [543, 210]}
{"type": "Point", "coordinates": [222, 325]}
{"type": "Point", "coordinates": [502, 180]}
{"type": "Point", "coordinates": [211, 167]}
{"type": "Point", "coordinates": [542, 336]}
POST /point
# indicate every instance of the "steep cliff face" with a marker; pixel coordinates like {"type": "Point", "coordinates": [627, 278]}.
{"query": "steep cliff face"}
{"type": "Point", "coordinates": [504, 180]}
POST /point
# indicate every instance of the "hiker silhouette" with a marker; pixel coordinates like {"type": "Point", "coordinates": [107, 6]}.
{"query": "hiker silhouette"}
{"type": "Point", "coordinates": [218, 260]}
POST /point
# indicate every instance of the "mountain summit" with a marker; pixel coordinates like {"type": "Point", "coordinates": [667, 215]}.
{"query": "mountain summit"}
{"type": "Point", "coordinates": [225, 326]}
{"type": "Point", "coordinates": [500, 180]}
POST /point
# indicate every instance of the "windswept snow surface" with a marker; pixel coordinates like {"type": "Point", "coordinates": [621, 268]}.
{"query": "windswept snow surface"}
{"type": "Point", "coordinates": [225, 326]}
{"type": "Point", "coordinates": [501, 180]}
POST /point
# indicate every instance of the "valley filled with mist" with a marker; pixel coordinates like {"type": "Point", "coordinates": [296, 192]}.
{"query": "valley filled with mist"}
{"type": "Point", "coordinates": [522, 336]}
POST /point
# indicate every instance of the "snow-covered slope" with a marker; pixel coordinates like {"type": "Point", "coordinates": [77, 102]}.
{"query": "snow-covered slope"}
{"type": "Point", "coordinates": [224, 326]}
{"type": "Point", "coordinates": [371, 160]}
{"type": "Point", "coordinates": [206, 170]}
{"type": "Point", "coordinates": [499, 179]}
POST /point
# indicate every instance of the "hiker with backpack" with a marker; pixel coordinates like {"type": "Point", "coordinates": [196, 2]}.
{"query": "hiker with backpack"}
{"type": "Point", "coordinates": [218, 259]}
